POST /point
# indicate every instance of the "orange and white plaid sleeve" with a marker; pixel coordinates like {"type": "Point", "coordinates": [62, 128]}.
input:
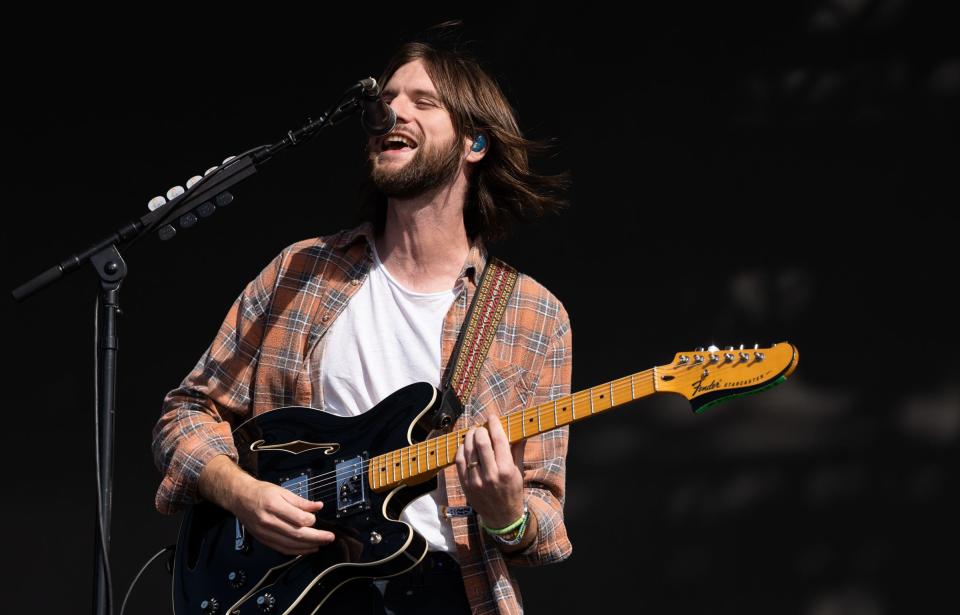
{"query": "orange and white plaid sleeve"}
{"type": "Point", "coordinates": [198, 417]}
{"type": "Point", "coordinates": [545, 457]}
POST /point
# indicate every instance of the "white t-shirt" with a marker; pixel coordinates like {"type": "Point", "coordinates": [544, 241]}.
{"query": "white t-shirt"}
{"type": "Point", "coordinates": [386, 338]}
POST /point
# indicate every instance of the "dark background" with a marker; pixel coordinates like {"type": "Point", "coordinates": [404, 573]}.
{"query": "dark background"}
{"type": "Point", "coordinates": [752, 174]}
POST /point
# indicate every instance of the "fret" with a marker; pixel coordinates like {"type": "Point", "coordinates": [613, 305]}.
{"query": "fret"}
{"type": "Point", "coordinates": [556, 420]}
{"type": "Point", "coordinates": [419, 471]}
{"type": "Point", "coordinates": [633, 393]}
{"type": "Point", "coordinates": [523, 423]}
{"type": "Point", "coordinates": [611, 394]}
{"type": "Point", "coordinates": [373, 478]}
{"type": "Point", "coordinates": [590, 393]}
{"type": "Point", "coordinates": [573, 407]}
{"type": "Point", "coordinates": [539, 425]}
{"type": "Point", "coordinates": [393, 466]}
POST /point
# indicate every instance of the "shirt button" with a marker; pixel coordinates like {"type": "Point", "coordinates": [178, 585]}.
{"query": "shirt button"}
{"type": "Point", "coordinates": [354, 281]}
{"type": "Point", "coordinates": [326, 317]}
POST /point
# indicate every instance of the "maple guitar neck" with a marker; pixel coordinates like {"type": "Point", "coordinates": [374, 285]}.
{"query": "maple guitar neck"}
{"type": "Point", "coordinates": [706, 378]}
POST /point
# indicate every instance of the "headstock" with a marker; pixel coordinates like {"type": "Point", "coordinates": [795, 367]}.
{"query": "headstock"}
{"type": "Point", "coordinates": [707, 377]}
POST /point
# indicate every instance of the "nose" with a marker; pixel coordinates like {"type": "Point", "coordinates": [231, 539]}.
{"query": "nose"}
{"type": "Point", "coordinates": [402, 105]}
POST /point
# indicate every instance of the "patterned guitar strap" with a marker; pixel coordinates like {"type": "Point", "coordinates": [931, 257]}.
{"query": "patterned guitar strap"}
{"type": "Point", "coordinates": [480, 327]}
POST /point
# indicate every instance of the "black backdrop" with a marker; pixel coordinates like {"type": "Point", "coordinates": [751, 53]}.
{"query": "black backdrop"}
{"type": "Point", "coordinates": [744, 175]}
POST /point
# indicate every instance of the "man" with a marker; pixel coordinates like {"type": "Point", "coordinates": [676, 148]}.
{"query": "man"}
{"type": "Point", "coordinates": [340, 322]}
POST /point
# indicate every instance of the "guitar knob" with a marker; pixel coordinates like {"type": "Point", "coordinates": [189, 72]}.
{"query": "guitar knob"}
{"type": "Point", "coordinates": [266, 603]}
{"type": "Point", "coordinates": [209, 606]}
{"type": "Point", "coordinates": [237, 579]}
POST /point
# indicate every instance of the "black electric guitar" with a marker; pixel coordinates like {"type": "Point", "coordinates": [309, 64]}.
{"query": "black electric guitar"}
{"type": "Point", "coordinates": [367, 468]}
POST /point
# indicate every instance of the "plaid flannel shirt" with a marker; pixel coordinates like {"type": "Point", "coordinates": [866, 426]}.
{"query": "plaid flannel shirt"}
{"type": "Point", "coordinates": [262, 358]}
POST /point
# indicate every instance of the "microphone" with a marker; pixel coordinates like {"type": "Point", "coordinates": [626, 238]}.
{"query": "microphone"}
{"type": "Point", "coordinates": [378, 118]}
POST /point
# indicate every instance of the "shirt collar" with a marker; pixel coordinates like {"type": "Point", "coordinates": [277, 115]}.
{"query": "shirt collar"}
{"type": "Point", "coordinates": [472, 267]}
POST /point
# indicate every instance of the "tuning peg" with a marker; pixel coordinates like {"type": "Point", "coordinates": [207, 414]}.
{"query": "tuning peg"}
{"type": "Point", "coordinates": [156, 203]}
{"type": "Point", "coordinates": [174, 192]}
{"type": "Point", "coordinates": [699, 349]}
{"type": "Point", "coordinates": [193, 180]}
{"type": "Point", "coordinates": [729, 347]}
{"type": "Point", "coordinates": [755, 346]}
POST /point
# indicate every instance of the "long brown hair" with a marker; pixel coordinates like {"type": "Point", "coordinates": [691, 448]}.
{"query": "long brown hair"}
{"type": "Point", "coordinates": [502, 187]}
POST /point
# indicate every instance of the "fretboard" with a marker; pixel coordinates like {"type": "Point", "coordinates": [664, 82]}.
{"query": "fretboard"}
{"type": "Point", "coordinates": [412, 464]}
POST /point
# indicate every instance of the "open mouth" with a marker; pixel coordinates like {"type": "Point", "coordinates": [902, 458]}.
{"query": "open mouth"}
{"type": "Point", "coordinates": [396, 143]}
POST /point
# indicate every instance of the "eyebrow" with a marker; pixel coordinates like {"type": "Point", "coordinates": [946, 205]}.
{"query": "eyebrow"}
{"type": "Point", "coordinates": [415, 92]}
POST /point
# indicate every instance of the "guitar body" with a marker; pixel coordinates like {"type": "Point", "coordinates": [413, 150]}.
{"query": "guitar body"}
{"type": "Point", "coordinates": [219, 568]}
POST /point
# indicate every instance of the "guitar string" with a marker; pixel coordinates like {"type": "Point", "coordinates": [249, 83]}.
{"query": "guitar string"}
{"type": "Point", "coordinates": [329, 479]}
{"type": "Point", "coordinates": [519, 414]}
{"type": "Point", "coordinates": [313, 487]}
{"type": "Point", "coordinates": [621, 385]}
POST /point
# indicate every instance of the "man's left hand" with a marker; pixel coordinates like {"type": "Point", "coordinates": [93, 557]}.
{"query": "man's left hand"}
{"type": "Point", "coordinates": [489, 469]}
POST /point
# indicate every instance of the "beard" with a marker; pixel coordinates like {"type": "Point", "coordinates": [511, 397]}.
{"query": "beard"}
{"type": "Point", "coordinates": [427, 169]}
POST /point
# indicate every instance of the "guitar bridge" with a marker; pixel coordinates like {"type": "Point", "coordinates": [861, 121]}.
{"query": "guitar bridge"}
{"type": "Point", "coordinates": [351, 486]}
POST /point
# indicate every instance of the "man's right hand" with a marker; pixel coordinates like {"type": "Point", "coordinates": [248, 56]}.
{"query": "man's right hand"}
{"type": "Point", "coordinates": [277, 517]}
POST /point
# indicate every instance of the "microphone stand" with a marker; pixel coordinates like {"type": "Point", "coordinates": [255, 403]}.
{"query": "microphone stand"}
{"type": "Point", "coordinates": [201, 199]}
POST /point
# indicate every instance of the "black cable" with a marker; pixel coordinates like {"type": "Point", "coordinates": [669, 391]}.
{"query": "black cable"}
{"type": "Point", "coordinates": [133, 583]}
